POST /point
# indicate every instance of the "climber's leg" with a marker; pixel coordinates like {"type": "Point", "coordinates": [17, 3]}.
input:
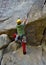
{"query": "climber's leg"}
{"type": "Point", "coordinates": [24, 44]}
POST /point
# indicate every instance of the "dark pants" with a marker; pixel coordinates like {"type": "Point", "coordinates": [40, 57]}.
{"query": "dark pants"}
{"type": "Point", "coordinates": [22, 37]}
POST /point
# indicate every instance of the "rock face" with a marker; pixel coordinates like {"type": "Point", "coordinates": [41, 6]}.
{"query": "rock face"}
{"type": "Point", "coordinates": [37, 11]}
{"type": "Point", "coordinates": [4, 40]}
{"type": "Point", "coordinates": [13, 46]}
{"type": "Point", "coordinates": [9, 32]}
{"type": "Point", "coordinates": [8, 8]}
{"type": "Point", "coordinates": [44, 52]}
{"type": "Point", "coordinates": [33, 57]}
{"type": "Point", "coordinates": [11, 10]}
{"type": "Point", "coordinates": [1, 54]}
{"type": "Point", "coordinates": [34, 31]}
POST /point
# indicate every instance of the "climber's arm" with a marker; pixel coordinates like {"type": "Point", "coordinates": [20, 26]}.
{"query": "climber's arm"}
{"type": "Point", "coordinates": [25, 21]}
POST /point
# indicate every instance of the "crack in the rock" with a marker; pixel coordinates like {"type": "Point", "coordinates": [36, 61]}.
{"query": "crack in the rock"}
{"type": "Point", "coordinates": [2, 56]}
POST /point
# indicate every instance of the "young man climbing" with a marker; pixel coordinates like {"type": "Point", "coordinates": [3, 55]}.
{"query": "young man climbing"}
{"type": "Point", "coordinates": [21, 34]}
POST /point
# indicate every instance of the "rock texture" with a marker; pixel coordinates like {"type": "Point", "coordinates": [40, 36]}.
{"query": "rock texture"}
{"type": "Point", "coordinates": [8, 8]}
{"type": "Point", "coordinates": [13, 46]}
{"type": "Point", "coordinates": [18, 7]}
{"type": "Point", "coordinates": [1, 51]}
{"type": "Point", "coordinates": [33, 57]}
{"type": "Point", "coordinates": [13, 9]}
{"type": "Point", "coordinates": [4, 40]}
{"type": "Point", "coordinates": [34, 31]}
{"type": "Point", "coordinates": [37, 11]}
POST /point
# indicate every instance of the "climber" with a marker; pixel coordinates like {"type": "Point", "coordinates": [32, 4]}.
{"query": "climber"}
{"type": "Point", "coordinates": [21, 33]}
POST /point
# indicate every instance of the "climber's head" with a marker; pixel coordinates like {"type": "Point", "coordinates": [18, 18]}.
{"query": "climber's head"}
{"type": "Point", "coordinates": [19, 21]}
